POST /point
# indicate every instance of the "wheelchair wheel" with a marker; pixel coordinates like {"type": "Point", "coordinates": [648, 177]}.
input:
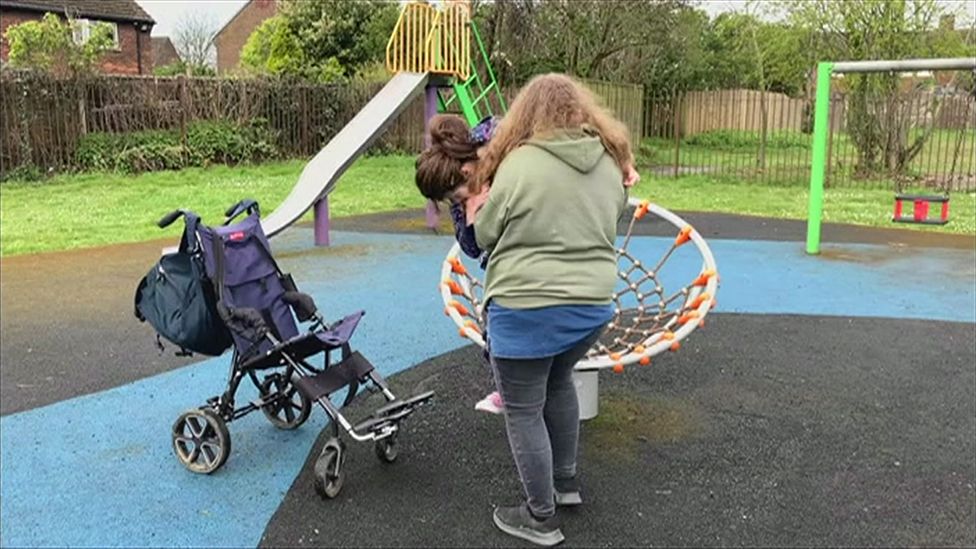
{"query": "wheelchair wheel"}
{"type": "Point", "coordinates": [387, 449]}
{"type": "Point", "coordinates": [201, 440]}
{"type": "Point", "coordinates": [290, 409]}
{"type": "Point", "coordinates": [329, 475]}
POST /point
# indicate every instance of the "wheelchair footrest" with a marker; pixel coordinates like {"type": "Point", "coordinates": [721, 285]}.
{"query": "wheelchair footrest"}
{"type": "Point", "coordinates": [392, 413]}
{"type": "Point", "coordinates": [397, 405]}
{"type": "Point", "coordinates": [353, 368]}
{"type": "Point", "coordinates": [373, 424]}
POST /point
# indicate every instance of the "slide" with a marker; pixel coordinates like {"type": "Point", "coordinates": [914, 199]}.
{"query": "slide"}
{"type": "Point", "coordinates": [323, 171]}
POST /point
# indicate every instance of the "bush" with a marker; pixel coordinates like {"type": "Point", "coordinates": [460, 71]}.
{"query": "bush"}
{"type": "Point", "coordinates": [179, 67]}
{"type": "Point", "coordinates": [25, 172]}
{"type": "Point", "coordinates": [102, 151]}
{"type": "Point", "coordinates": [154, 157]}
{"type": "Point", "coordinates": [226, 143]}
{"type": "Point", "coordinates": [738, 139]}
{"type": "Point", "coordinates": [206, 142]}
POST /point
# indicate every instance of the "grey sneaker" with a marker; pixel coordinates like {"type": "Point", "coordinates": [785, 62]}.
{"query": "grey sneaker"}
{"type": "Point", "coordinates": [519, 522]}
{"type": "Point", "coordinates": [567, 492]}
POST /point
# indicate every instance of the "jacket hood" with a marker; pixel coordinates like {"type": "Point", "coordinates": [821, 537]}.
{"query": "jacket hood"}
{"type": "Point", "coordinates": [581, 149]}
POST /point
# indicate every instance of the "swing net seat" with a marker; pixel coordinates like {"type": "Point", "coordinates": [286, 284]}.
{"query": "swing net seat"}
{"type": "Point", "coordinates": [647, 320]}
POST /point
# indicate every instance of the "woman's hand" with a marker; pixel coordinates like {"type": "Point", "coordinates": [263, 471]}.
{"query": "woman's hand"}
{"type": "Point", "coordinates": [631, 177]}
{"type": "Point", "coordinates": [474, 203]}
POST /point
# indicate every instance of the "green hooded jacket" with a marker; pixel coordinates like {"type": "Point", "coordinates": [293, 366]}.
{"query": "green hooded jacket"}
{"type": "Point", "coordinates": [550, 222]}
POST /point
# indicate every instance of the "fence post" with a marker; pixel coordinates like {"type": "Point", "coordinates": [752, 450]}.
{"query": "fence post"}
{"type": "Point", "coordinates": [82, 105]}
{"type": "Point", "coordinates": [181, 79]}
{"type": "Point", "coordinates": [25, 148]}
{"type": "Point", "coordinates": [676, 116]}
{"type": "Point", "coordinates": [243, 114]}
{"type": "Point", "coordinates": [821, 129]}
{"type": "Point", "coordinates": [306, 146]}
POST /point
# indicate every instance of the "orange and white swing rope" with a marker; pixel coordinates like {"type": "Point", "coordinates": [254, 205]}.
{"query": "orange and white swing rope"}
{"type": "Point", "coordinates": [635, 334]}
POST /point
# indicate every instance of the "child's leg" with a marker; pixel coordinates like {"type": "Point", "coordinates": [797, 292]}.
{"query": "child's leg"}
{"type": "Point", "coordinates": [492, 403]}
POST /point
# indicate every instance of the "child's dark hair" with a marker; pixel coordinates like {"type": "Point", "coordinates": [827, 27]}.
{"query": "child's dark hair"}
{"type": "Point", "coordinates": [439, 167]}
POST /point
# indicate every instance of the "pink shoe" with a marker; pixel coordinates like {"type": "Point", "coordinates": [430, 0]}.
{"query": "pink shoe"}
{"type": "Point", "coordinates": [492, 404]}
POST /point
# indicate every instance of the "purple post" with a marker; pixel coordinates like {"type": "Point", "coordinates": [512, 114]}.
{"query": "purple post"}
{"type": "Point", "coordinates": [430, 109]}
{"type": "Point", "coordinates": [322, 222]}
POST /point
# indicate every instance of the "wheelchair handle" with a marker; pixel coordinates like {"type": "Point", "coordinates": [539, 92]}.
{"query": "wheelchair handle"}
{"type": "Point", "coordinates": [169, 218]}
{"type": "Point", "coordinates": [247, 205]}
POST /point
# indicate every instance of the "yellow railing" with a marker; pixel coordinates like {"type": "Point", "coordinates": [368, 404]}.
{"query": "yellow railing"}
{"type": "Point", "coordinates": [426, 39]}
{"type": "Point", "coordinates": [449, 42]}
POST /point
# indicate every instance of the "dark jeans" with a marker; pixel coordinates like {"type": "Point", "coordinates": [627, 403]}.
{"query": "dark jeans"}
{"type": "Point", "coordinates": [542, 419]}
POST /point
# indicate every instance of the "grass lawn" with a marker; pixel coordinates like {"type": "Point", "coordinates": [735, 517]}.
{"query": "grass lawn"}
{"type": "Point", "coordinates": [77, 211]}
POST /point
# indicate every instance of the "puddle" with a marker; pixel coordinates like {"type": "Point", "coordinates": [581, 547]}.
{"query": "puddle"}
{"type": "Point", "coordinates": [419, 224]}
{"type": "Point", "coordinates": [866, 256]}
{"type": "Point", "coordinates": [626, 421]}
{"type": "Point", "coordinates": [345, 250]}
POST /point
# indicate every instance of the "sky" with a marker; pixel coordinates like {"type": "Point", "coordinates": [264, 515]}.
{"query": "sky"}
{"type": "Point", "coordinates": [168, 13]}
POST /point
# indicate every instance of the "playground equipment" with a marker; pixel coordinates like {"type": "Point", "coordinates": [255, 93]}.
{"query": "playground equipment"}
{"type": "Point", "coordinates": [821, 129]}
{"type": "Point", "coordinates": [920, 209]}
{"type": "Point", "coordinates": [323, 171]}
{"type": "Point", "coordinates": [438, 42]}
{"type": "Point", "coordinates": [646, 320]}
{"type": "Point", "coordinates": [429, 51]}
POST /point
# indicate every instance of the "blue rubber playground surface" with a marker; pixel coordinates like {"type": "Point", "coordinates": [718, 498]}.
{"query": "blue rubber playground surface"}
{"type": "Point", "coordinates": [97, 470]}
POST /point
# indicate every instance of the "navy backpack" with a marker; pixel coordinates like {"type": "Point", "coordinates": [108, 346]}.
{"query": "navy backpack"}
{"type": "Point", "coordinates": [178, 298]}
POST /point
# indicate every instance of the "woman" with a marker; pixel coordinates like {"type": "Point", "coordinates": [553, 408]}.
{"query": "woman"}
{"type": "Point", "coordinates": [548, 225]}
{"type": "Point", "coordinates": [444, 173]}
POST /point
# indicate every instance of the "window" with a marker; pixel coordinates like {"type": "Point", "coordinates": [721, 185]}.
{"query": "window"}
{"type": "Point", "coordinates": [82, 29]}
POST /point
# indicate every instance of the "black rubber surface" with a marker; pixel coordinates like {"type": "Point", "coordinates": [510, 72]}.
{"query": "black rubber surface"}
{"type": "Point", "coordinates": [68, 327]}
{"type": "Point", "coordinates": [765, 431]}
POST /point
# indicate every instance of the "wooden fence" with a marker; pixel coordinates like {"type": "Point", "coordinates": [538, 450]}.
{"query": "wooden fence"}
{"type": "Point", "coordinates": [42, 119]}
{"type": "Point", "coordinates": [720, 133]}
{"type": "Point", "coordinates": [626, 101]}
{"type": "Point", "coordinates": [694, 112]}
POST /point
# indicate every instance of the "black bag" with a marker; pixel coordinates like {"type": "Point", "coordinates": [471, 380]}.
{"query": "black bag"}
{"type": "Point", "coordinates": [178, 299]}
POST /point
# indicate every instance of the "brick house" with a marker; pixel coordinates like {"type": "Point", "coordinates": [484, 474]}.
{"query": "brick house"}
{"type": "Point", "coordinates": [231, 38]}
{"type": "Point", "coordinates": [131, 25]}
{"type": "Point", "coordinates": [164, 52]}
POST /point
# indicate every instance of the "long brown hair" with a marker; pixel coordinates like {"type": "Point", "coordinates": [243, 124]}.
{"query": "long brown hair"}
{"type": "Point", "coordinates": [548, 103]}
{"type": "Point", "coordinates": [439, 167]}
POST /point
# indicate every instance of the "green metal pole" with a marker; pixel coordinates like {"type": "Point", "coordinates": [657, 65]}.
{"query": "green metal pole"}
{"type": "Point", "coordinates": [818, 161]}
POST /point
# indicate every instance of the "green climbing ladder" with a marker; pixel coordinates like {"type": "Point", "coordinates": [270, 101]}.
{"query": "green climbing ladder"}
{"type": "Point", "coordinates": [476, 97]}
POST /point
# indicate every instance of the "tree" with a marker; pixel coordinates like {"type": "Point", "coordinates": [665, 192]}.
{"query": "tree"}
{"type": "Point", "coordinates": [879, 113]}
{"type": "Point", "coordinates": [324, 40]}
{"type": "Point", "coordinates": [50, 45]}
{"type": "Point", "coordinates": [178, 68]}
{"type": "Point", "coordinates": [760, 58]}
{"type": "Point", "coordinates": [747, 51]}
{"type": "Point", "coordinates": [193, 40]}
{"type": "Point", "coordinates": [608, 39]}
{"type": "Point", "coordinates": [744, 50]}
{"type": "Point", "coordinates": [274, 49]}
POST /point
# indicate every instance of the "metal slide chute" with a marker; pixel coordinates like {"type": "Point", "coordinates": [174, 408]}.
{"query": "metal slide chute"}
{"type": "Point", "coordinates": [324, 170]}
